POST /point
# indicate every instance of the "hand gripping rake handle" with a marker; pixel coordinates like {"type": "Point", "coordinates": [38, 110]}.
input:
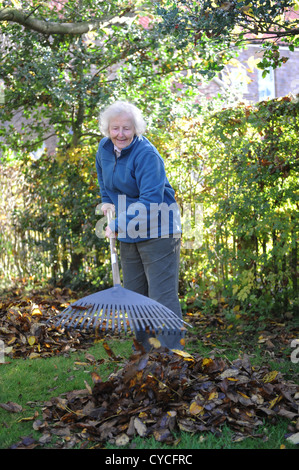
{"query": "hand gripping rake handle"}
{"type": "Point", "coordinates": [113, 254]}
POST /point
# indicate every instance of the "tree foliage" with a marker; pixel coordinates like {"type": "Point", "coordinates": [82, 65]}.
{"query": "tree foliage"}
{"type": "Point", "coordinates": [57, 87]}
{"type": "Point", "coordinates": [61, 82]}
{"type": "Point", "coordinates": [230, 24]}
{"type": "Point", "coordinates": [68, 17]}
{"type": "Point", "coordinates": [239, 164]}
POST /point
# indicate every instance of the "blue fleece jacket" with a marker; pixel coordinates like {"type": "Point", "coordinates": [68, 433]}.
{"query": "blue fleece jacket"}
{"type": "Point", "coordinates": [137, 185]}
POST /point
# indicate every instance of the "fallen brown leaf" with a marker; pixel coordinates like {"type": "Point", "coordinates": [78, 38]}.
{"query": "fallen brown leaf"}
{"type": "Point", "coordinates": [11, 406]}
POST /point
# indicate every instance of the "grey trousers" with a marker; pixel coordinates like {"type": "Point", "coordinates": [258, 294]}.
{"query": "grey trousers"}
{"type": "Point", "coordinates": [151, 268]}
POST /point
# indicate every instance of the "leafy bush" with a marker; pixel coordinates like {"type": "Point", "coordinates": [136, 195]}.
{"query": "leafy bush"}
{"type": "Point", "coordinates": [238, 166]}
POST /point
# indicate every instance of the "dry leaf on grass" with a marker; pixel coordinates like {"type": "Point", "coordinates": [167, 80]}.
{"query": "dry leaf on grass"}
{"type": "Point", "coordinates": [11, 406]}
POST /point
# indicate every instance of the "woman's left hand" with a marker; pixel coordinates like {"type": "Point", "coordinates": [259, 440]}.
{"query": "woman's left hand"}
{"type": "Point", "coordinates": [109, 233]}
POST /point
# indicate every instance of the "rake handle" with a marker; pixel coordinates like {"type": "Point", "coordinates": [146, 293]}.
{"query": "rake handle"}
{"type": "Point", "coordinates": [113, 253]}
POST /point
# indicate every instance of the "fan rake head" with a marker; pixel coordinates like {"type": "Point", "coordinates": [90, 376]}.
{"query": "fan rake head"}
{"type": "Point", "coordinates": [119, 309]}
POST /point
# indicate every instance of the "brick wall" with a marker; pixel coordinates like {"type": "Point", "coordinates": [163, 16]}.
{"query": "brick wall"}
{"type": "Point", "coordinates": [286, 77]}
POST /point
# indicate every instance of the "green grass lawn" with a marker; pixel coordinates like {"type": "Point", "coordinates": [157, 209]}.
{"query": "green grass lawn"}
{"type": "Point", "coordinates": [32, 382]}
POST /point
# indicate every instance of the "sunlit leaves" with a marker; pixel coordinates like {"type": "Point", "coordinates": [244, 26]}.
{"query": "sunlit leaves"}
{"type": "Point", "coordinates": [240, 164]}
{"type": "Point", "coordinates": [231, 23]}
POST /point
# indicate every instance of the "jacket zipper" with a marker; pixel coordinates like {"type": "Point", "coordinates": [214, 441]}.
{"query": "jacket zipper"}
{"type": "Point", "coordinates": [115, 162]}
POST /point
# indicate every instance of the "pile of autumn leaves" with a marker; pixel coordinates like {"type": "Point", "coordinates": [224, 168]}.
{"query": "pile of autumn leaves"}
{"type": "Point", "coordinates": [24, 330]}
{"type": "Point", "coordinates": [160, 394]}
{"type": "Point", "coordinates": [157, 394]}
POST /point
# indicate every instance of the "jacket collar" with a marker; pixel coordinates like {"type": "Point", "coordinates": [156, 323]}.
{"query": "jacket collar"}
{"type": "Point", "coordinates": [110, 146]}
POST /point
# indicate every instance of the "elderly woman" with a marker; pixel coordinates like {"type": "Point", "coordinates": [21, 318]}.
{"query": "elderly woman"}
{"type": "Point", "coordinates": [133, 183]}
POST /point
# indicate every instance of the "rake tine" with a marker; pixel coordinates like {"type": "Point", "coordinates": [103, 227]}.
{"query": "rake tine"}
{"type": "Point", "coordinates": [125, 316]}
{"type": "Point", "coordinates": [145, 318]}
{"type": "Point", "coordinates": [80, 318]}
{"type": "Point", "coordinates": [137, 320]}
{"type": "Point", "coordinates": [96, 315]}
{"type": "Point", "coordinates": [90, 315]}
{"type": "Point", "coordinates": [113, 318]}
{"type": "Point", "coordinates": [110, 312]}
{"type": "Point", "coordinates": [99, 318]}
{"type": "Point", "coordinates": [151, 320]}
{"type": "Point", "coordinates": [70, 319]}
{"type": "Point", "coordinates": [67, 319]}
{"type": "Point", "coordinates": [125, 309]}
{"type": "Point", "coordinates": [77, 317]}
{"type": "Point", "coordinates": [102, 314]}
{"type": "Point", "coordinates": [142, 319]}
{"type": "Point", "coordinates": [174, 319]}
{"type": "Point", "coordinates": [151, 315]}
{"type": "Point", "coordinates": [120, 316]}
{"type": "Point", "coordinates": [170, 323]}
{"type": "Point", "coordinates": [162, 323]}
{"type": "Point", "coordinates": [105, 314]}
{"type": "Point", "coordinates": [131, 317]}
{"type": "Point", "coordinates": [118, 309]}
{"type": "Point", "coordinates": [60, 318]}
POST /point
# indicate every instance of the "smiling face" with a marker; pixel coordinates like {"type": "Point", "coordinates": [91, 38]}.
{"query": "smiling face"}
{"type": "Point", "coordinates": [121, 130]}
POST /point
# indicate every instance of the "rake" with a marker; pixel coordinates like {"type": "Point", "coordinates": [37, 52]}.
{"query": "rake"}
{"type": "Point", "coordinates": [120, 309]}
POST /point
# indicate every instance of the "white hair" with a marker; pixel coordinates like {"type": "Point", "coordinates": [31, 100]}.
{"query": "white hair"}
{"type": "Point", "coordinates": [122, 107]}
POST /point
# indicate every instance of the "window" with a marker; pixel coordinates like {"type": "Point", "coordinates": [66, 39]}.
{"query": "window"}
{"type": "Point", "coordinates": [266, 85]}
{"type": "Point", "coordinates": [2, 92]}
{"type": "Point", "coordinates": [239, 80]}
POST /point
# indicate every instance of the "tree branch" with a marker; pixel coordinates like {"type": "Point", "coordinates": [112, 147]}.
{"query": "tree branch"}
{"type": "Point", "coordinates": [47, 27]}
